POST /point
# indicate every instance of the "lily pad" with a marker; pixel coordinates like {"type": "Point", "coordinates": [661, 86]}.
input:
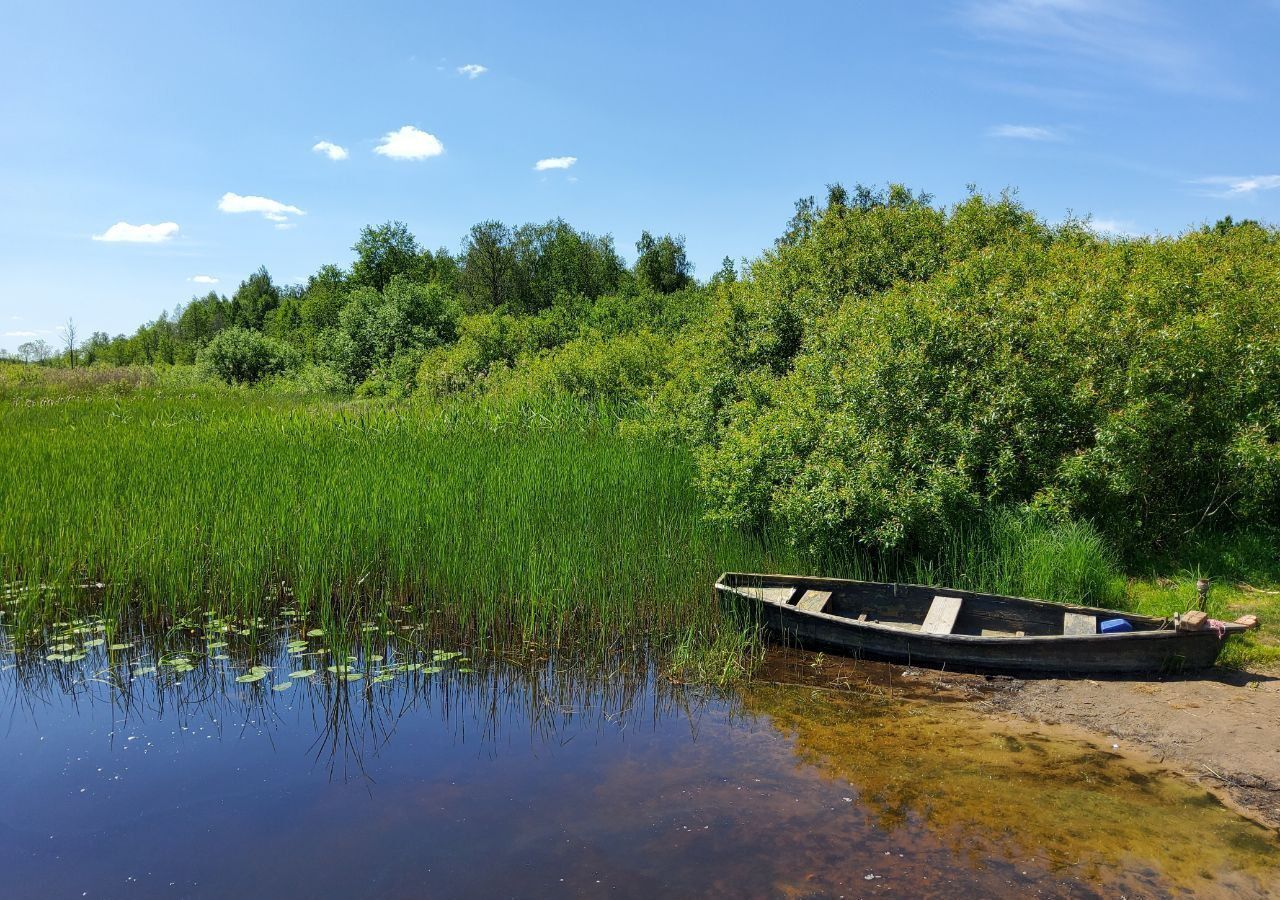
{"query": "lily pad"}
{"type": "Point", "coordinates": [282, 686]}
{"type": "Point", "coordinates": [302, 673]}
{"type": "Point", "coordinates": [250, 677]}
{"type": "Point", "coordinates": [316, 632]}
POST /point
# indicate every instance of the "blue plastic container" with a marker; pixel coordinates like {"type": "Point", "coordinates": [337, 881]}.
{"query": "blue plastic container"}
{"type": "Point", "coordinates": [1114, 626]}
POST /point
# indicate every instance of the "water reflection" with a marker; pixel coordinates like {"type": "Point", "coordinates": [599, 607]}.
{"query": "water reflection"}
{"type": "Point", "coordinates": [149, 759]}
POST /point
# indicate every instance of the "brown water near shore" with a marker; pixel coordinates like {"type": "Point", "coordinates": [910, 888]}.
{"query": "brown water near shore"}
{"type": "Point", "coordinates": [438, 774]}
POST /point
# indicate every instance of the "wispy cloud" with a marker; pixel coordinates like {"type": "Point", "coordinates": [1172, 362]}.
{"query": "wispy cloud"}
{"type": "Point", "coordinates": [124, 233]}
{"type": "Point", "coordinates": [26, 333]}
{"type": "Point", "coordinates": [472, 70]}
{"type": "Point", "coordinates": [1101, 39]}
{"type": "Point", "coordinates": [203, 279]}
{"type": "Point", "coordinates": [272, 210]}
{"type": "Point", "coordinates": [1231, 185]}
{"type": "Point", "coordinates": [409, 143]}
{"type": "Point", "coordinates": [1112, 227]}
{"type": "Point", "coordinates": [331, 150]}
{"type": "Point", "coordinates": [1024, 132]}
{"type": "Point", "coordinates": [554, 162]}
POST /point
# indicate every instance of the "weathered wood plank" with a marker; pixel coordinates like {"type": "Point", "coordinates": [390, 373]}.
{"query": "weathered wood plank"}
{"type": "Point", "coordinates": [786, 594]}
{"type": "Point", "coordinates": [1078, 623]}
{"type": "Point", "coordinates": [942, 615]}
{"type": "Point", "coordinates": [814, 601]}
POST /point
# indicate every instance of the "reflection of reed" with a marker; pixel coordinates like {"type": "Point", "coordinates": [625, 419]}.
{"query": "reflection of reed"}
{"type": "Point", "coordinates": [351, 720]}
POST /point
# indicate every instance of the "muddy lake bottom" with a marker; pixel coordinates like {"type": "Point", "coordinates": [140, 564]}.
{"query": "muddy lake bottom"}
{"type": "Point", "coordinates": [528, 779]}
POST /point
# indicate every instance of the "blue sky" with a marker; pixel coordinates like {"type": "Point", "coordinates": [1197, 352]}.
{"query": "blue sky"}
{"type": "Point", "coordinates": [707, 119]}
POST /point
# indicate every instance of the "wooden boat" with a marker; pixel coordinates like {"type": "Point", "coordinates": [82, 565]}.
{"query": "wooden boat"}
{"type": "Point", "coordinates": [962, 629]}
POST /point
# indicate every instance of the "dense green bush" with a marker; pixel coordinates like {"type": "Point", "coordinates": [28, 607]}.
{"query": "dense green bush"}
{"type": "Point", "coordinates": [241, 356]}
{"type": "Point", "coordinates": [1131, 383]}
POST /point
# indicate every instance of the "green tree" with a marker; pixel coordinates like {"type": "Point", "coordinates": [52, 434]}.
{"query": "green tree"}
{"type": "Point", "coordinates": [662, 265]}
{"type": "Point", "coordinates": [322, 300]}
{"type": "Point", "coordinates": [385, 251]}
{"type": "Point", "coordinates": [488, 272]}
{"type": "Point", "coordinates": [254, 299]}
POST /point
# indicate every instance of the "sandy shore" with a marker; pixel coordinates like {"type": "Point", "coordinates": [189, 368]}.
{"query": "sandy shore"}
{"type": "Point", "coordinates": [1220, 728]}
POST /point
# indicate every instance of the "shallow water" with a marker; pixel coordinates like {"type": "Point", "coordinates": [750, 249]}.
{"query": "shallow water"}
{"type": "Point", "coordinates": [517, 777]}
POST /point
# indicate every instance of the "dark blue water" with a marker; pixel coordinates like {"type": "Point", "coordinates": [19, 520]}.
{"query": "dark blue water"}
{"type": "Point", "coordinates": [490, 779]}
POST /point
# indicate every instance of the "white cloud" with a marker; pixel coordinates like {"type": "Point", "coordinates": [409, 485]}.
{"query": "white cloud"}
{"type": "Point", "coordinates": [331, 150]}
{"type": "Point", "coordinates": [409, 143]}
{"type": "Point", "coordinates": [24, 333]}
{"type": "Point", "coordinates": [1112, 227]}
{"type": "Point", "coordinates": [554, 162]}
{"type": "Point", "coordinates": [124, 233]}
{"type": "Point", "coordinates": [203, 279]}
{"type": "Point", "coordinates": [471, 70]}
{"type": "Point", "coordinates": [1023, 132]}
{"type": "Point", "coordinates": [271, 210]}
{"type": "Point", "coordinates": [1234, 184]}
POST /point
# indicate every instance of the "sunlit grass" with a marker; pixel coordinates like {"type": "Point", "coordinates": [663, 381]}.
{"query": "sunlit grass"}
{"type": "Point", "coordinates": [540, 524]}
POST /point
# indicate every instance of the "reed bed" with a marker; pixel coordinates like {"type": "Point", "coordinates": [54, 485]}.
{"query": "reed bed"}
{"type": "Point", "coordinates": [501, 523]}
{"type": "Point", "coordinates": [539, 523]}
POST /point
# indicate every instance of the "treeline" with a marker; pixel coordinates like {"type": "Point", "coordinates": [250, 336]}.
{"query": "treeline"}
{"type": "Point", "coordinates": [396, 301]}
{"type": "Point", "coordinates": [887, 372]}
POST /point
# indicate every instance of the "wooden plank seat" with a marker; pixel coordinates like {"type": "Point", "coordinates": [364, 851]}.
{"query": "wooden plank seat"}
{"type": "Point", "coordinates": [942, 615]}
{"type": "Point", "coordinates": [1079, 624]}
{"type": "Point", "coordinates": [779, 595]}
{"type": "Point", "coordinates": [814, 601]}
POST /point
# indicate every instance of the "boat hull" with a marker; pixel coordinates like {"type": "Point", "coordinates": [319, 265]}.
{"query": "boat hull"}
{"type": "Point", "coordinates": [1139, 651]}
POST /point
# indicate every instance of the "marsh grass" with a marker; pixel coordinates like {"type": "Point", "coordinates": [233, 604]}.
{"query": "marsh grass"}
{"type": "Point", "coordinates": [540, 524]}
{"type": "Point", "coordinates": [499, 524]}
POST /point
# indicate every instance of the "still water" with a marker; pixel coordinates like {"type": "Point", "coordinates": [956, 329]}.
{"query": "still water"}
{"type": "Point", "coordinates": [399, 771]}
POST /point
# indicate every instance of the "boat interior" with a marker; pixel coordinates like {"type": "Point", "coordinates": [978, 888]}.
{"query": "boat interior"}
{"type": "Point", "coordinates": [940, 611]}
